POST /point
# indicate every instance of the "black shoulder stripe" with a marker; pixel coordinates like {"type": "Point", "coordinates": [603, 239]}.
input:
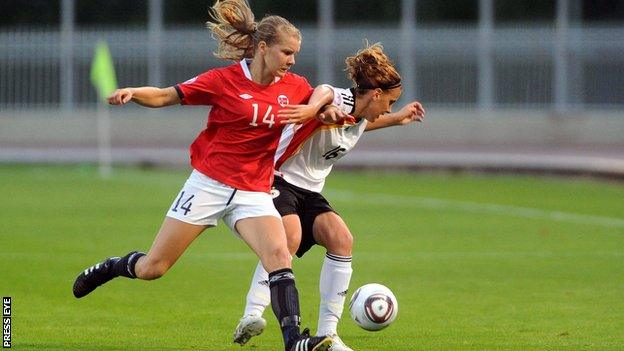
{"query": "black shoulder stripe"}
{"type": "Point", "coordinates": [347, 97]}
{"type": "Point", "coordinates": [352, 90]}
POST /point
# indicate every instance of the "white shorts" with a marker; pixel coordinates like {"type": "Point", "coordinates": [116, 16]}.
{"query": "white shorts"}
{"type": "Point", "coordinates": [203, 200]}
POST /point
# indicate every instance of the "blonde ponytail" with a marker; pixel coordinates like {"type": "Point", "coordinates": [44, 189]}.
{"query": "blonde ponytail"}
{"type": "Point", "coordinates": [237, 32]}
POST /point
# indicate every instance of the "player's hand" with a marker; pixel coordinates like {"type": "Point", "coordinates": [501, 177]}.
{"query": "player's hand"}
{"type": "Point", "coordinates": [331, 114]}
{"type": "Point", "coordinates": [121, 96]}
{"type": "Point", "coordinates": [296, 114]}
{"type": "Point", "coordinates": [412, 112]}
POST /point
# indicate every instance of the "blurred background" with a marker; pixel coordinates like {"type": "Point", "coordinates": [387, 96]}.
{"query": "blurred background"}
{"type": "Point", "coordinates": [517, 85]}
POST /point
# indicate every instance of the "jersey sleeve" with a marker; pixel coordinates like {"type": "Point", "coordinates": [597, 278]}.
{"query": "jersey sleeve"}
{"type": "Point", "coordinates": [201, 90]}
{"type": "Point", "coordinates": [343, 99]}
{"type": "Point", "coordinates": [307, 89]}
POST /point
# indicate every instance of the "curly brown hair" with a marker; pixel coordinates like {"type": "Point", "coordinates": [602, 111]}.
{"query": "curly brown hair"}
{"type": "Point", "coordinates": [370, 68]}
{"type": "Point", "coordinates": [238, 34]}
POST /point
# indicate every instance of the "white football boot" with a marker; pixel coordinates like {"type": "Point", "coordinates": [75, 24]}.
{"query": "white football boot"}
{"type": "Point", "coordinates": [338, 344]}
{"type": "Point", "coordinates": [248, 327]}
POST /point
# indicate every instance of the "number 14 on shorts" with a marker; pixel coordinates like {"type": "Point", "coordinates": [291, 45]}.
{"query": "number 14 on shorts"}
{"type": "Point", "coordinates": [183, 204]}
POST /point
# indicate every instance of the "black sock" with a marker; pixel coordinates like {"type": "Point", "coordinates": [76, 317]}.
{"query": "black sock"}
{"type": "Point", "coordinates": [285, 303]}
{"type": "Point", "coordinates": [125, 266]}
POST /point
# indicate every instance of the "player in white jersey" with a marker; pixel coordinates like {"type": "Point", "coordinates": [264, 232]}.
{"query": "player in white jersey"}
{"type": "Point", "coordinates": [304, 159]}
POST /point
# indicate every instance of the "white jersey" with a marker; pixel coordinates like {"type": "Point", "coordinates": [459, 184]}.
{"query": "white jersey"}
{"type": "Point", "coordinates": [307, 153]}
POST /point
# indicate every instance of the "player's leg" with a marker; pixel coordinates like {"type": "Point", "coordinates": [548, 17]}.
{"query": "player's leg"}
{"type": "Point", "coordinates": [170, 242]}
{"type": "Point", "coordinates": [259, 294]}
{"type": "Point", "coordinates": [286, 200]}
{"type": "Point", "coordinates": [198, 206]}
{"type": "Point", "coordinates": [292, 227]}
{"type": "Point", "coordinates": [258, 297]}
{"type": "Point", "coordinates": [266, 237]}
{"type": "Point", "coordinates": [331, 232]}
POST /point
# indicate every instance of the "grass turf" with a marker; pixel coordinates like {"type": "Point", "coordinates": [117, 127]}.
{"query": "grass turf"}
{"type": "Point", "coordinates": [476, 262]}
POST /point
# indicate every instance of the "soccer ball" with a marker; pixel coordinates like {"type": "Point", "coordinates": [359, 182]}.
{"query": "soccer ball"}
{"type": "Point", "coordinates": [373, 307]}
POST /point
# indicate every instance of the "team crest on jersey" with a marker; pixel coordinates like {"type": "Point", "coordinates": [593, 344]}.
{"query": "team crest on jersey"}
{"type": "Point", "coordinates": [282, 100]}
{"type": "Point", "coordinates": [275, 193]}
{"type": "Point", "coordinates": [190, 80]}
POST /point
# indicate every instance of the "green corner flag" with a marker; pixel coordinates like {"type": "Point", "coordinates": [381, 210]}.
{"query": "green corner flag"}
{"type": "Point", "coordinates": [103, 72]}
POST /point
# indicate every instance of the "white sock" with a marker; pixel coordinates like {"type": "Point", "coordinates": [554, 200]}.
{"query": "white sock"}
{"type": "Point", "coordinates": [333, 285]}
{"type": "Point", "coordinates": [259, 295]}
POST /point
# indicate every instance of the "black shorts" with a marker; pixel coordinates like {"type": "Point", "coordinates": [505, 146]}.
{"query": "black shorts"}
{"type": "Point", "coordinates": [290, 199]}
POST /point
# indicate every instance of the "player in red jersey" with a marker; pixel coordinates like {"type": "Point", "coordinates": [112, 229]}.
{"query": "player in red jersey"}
{"type": "Point", "coordinates": [304, 164]}
{"type": "Point", "coordinates": [232, 159]}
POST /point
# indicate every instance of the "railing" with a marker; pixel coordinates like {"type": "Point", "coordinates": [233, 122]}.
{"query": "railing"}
{"type": "Point", "coordinates": [447, 63]}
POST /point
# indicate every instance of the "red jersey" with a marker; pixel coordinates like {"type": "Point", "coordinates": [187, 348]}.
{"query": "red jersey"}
{"type": "Point", "coordinates": [238, 146]}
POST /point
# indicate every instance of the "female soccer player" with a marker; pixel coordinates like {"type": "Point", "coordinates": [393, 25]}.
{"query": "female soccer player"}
{"type": "Point", "coordinates": [232, 159]}
{"type": "Point", "coordinates": [301, 171]}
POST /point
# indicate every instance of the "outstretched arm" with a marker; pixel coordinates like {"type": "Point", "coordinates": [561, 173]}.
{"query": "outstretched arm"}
{"type": "Point", "coordinates": [322, 95]}
{"type": "Point", "coordinates": [145, 96]}
{"type": "Point", "coordinates": [412, 112]}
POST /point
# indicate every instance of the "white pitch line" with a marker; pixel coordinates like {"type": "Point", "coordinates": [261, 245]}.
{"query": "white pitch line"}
{"type": "Point", "coordinates": [473, 207]}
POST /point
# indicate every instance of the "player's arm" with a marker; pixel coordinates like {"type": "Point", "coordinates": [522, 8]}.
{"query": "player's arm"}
{"type": "Point", "coordinates": [412, 112]}
{"type": "Point", "coordinates": [322, 95]}
{"type": "Point", "coordinates": [331, 114]}
{"type": "Point", "coordinates": [145, 96]}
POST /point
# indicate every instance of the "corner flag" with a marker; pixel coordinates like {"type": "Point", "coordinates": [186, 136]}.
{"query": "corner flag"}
{"type": "Point", "coordinates": [102, 71]}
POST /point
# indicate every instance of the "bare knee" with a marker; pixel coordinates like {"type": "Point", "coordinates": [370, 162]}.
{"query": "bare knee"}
{"type": "Point", "coordinates": [282, 257]}
{"type": "Point", "coordinates": [265, 235]}
{"type": "Point", "coordinates": [332, 232]}
{"type": "Point", "coordinates": [339, 243]}
{"type": "Point", "coordinates": [277, 258]}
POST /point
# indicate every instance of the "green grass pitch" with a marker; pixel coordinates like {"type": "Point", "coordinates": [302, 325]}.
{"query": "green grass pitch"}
{"type": "Point", "coordinates": [476, 262]}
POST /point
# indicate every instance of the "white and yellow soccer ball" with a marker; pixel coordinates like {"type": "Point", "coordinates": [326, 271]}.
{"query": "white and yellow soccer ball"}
{"type": "Point", "coordinates": [373, 307]}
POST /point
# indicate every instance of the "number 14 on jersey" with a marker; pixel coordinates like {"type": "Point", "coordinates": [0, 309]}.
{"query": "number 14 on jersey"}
{"type": "Point", "coordinates": [268, 118]}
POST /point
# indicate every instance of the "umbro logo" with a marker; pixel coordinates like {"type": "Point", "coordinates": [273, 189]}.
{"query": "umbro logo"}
{"type": "Point", "coordinates": [264, 282]}
{"type": "Point", "coordinates": [245, 96]}
{"type": "Point", "coordinates": [343, 293]}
